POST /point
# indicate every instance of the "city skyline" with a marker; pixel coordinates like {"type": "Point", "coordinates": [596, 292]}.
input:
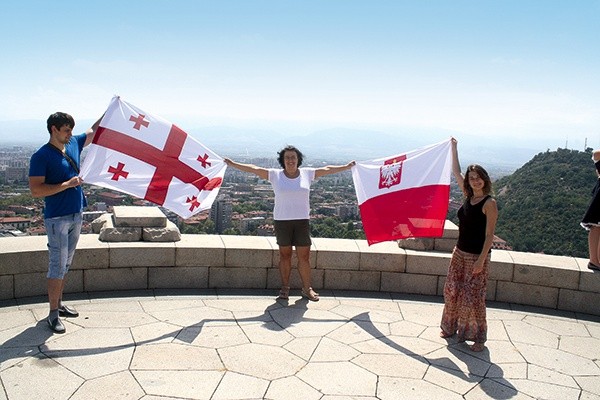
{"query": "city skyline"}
{"type": "Point", "coordinates": [519, 73]}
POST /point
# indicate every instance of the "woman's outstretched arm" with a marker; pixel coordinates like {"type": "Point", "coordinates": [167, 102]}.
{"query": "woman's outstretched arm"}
{"type": "Point", "coordinates": [262, 173]}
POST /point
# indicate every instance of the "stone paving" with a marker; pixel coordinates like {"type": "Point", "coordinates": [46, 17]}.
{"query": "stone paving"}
{"type": "Point", "coordinates": [247, 345]}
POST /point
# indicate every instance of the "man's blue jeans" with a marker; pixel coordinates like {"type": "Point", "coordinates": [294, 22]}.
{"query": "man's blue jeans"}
{"type": "Point", "coordinates": [63, 235]}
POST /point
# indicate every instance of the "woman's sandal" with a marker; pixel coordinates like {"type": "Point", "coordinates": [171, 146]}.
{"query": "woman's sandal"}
{"type": "Point", "coordinates": [477, 347]}
{"type": "Point", "coordinates": [445, 335]}
{"type": "Point", "coordinates": [284, 293]}
{"type": "Point", "coordinates": [310, 294]}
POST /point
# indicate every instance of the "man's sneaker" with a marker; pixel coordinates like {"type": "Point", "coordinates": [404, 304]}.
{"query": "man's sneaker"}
{"type": "Point", "coordinates": [66, 311]}
{"type": "Point", "coordinates": [56, 325]}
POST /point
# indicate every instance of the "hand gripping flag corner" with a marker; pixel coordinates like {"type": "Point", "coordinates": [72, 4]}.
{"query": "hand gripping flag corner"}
{"type": "Point", "coordinates": [150, 158]}
{"type": "Point", "coordinates": [405, 195]}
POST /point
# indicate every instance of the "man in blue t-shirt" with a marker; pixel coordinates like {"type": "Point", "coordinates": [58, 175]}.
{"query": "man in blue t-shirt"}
{"type": "Point", "coordinates": [53, 174]}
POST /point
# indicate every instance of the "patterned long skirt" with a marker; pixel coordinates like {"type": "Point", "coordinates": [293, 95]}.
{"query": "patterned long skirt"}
{"type": "Point", "coordinates": [464, 298]}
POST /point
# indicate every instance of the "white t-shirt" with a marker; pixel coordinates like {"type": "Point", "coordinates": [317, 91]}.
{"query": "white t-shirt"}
{"type": "Point", "coordinates": [292, 196]}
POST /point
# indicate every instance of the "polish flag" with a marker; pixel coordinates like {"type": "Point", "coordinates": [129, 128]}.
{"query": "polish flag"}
{"type": "Point", "coordinates": [405, 195]}
{"type": "Point", "coordinates": [148, 157]}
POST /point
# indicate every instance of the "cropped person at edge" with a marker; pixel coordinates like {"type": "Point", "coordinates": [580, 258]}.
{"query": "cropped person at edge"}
{"type": "Point", "coordinates": [291, 213]}
{"type": "Point", "coordinates": [591, 219]}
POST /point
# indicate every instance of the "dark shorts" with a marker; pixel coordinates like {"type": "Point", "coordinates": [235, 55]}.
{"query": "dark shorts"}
{"type": "Point", "coordinates": [294, 232]}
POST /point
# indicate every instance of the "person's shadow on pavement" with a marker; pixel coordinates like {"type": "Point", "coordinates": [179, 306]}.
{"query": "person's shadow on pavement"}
{"type": "Point", "coordinates": [25, 344]}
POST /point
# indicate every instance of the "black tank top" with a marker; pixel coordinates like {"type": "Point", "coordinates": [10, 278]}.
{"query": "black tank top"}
{"type": "Point", "coordinates": [471, 227]}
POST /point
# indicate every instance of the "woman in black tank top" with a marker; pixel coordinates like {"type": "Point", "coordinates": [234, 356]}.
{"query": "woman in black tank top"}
{"type": "Point", "coordinates": [465, 287]}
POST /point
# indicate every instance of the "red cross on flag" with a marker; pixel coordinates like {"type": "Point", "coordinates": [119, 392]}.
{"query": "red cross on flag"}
{"type": "Point", "coordinates": [150, 158]}
{"type": "Point", "coordinates": [405, 195]}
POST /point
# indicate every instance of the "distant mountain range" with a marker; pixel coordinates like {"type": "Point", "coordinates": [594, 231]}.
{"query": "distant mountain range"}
{"type": "Point", "coordinates": [333, 145]}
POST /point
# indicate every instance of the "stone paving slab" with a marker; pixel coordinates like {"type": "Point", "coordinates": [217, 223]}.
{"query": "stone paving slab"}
{"type": "Point", "coordinates": [247, 345]}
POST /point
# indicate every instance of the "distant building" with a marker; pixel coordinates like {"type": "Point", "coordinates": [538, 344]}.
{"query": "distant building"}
{"type": "Point", "coordinates": [19, 223]}
{"type": "Point", "coordinates": [266, 230]}
{"type": "Point", "coordinates": [99, 206]}
{"type": "Point", "coordinates": [250, 224]}
{"type": "Point", "coordinates": [171, 216]}
{"type": "Point", "coordinates": [196, 219]}
{"type": "Point", "coordinates": [111, 199]}
{"type": "Point", "coordinates": [244, 187]}
{"type": "Point", "coordinates": [326, 210]}
{"type": "Point", "coordinates": [37, 231]}
{"type": "Point", "coordinates": [10, 232]}
{"type": "Point", "coordinates": [89, 216]}
{"type": "Point", "coordinates": [500, 244]}
{"type": "Point", "coordinates": [16, 174]}
{"type": "Point", "coordinates": [263, 189]}
{"type": "Point", "coordinates": [347, 211]}
{"type": "Point", "coordinates": [220, 213]}
{"type": "Point", "coordinates": [22, 209]}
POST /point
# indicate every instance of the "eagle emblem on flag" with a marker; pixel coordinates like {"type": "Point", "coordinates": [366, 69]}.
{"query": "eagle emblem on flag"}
{"type": "Point", "coordinates": [390, 173]}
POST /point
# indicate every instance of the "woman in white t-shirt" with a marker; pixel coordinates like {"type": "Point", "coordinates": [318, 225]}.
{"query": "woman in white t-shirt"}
{"type": "Point", "coordinates": [292, 212]}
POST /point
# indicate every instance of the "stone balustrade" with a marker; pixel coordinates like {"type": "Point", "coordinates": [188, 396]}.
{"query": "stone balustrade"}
{"type": "Point", "coordinates": [211, 261]}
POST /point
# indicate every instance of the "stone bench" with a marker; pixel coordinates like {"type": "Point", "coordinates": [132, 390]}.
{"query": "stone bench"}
{"type": "Point", "coordinates": [213, 261]}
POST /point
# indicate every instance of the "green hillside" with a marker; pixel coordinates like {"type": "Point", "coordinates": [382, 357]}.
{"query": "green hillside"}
{"type": "Point", "coordinates": [541, 204]}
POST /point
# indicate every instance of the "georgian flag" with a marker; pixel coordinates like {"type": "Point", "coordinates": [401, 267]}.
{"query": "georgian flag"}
{"type": "Point", "coordinates": [405, 195]}
{"type": "Point", "coordinates": [150, 158]}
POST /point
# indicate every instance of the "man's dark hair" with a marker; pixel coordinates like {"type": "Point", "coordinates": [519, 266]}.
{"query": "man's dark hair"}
{"type": "Point", "coordinates": [289, 148]}
{"type": "Point", "coordinates": [58, 119]}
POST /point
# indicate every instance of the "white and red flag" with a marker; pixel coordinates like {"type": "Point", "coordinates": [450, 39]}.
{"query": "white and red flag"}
{"type": "Point", "coordinates": [150, 158]}
{"type": "Point", "coordinates": [405, 195]}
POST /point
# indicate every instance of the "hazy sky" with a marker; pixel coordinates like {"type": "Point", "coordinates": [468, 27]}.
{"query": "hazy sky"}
{"type": "Point", "coordinates": [528, 69]}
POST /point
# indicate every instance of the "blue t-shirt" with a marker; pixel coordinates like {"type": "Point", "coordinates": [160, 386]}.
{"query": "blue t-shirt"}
{"type": "Point", "coordinates": [52, 165]}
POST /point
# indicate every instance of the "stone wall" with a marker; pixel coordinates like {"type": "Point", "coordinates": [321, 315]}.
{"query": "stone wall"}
{"type": "Point", "coordinates": [212, 261]}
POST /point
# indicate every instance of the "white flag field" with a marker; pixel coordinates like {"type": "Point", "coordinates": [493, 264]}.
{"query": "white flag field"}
{"type": "Point", "coordinates": [150, 158]}
{"type": "Point", "coordinates": [405, 195]}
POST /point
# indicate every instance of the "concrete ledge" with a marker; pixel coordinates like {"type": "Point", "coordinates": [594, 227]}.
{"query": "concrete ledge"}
{"type": "Point", "coordinates": [428, 263]}
{"type": "Point", "coordinates": [232, 277]}
{"type": "Point", "coordinates": [141, 254]}
{"type": "Point", "coordinates": [556, 271]}
{"type": "Point", "coordinates": [336, 253]}
{"type": "Point", "coordinates": [34, 284]}
{"type": "Point", "coordinates": [541, 296]}
{"type": "Point", "coordinates": [275, 247]}
{"type": "Point", "coordinates": [200, 251]}
{"type": "Point", "coordinates": [97, 280]}
{"type": "Point", "coordinates": [91, 253]}
{"type": "Point", "coordinates": [212, 261]}
{"type": "Point", "coordinates": [501, 265]}
{"type": "Point", "coordinates": [352, 280]}
{"type": "Point", "coordinates": [317, 277]}
{"type": "Point", "coordinates": [247, 251]}
{"type": "Point", "coordinates": [7, 288]}
{"type": "Point", "coordinates": [574, 300]}
{"type": "Point", "coordinates": [409, 283]}
{"type": "Point", "coordinates": [20, 255]}
{"type": "Point", "coordinates": [178, 278]}
{"type": "Point", "coordinates": [386, 256]}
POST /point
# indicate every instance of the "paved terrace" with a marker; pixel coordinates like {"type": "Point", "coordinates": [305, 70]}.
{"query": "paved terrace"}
{"type": "Point", "coordinates": [223, 344]}
{"type": "Point", "coordinates": [184, 332]}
